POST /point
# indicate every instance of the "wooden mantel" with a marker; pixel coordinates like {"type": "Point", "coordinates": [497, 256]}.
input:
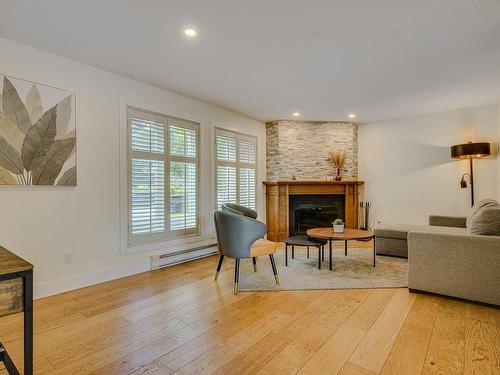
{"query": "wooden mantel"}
{"type": "Point", "coordinates": [277, 199]}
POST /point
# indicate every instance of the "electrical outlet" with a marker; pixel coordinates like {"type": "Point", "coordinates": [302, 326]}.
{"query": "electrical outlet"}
{"type": "Point", "coordinates": [68, 258]}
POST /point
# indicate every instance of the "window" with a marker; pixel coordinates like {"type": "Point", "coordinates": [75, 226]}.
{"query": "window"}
{"type": "Point", "coordinates": [163, 177]}
{"type": "Point", "coordinates": [236, 168]}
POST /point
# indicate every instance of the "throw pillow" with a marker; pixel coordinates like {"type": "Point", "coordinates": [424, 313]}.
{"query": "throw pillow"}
{"type": "Point", "coordinates": [477, 206]}
{"type": "Point", "coordinates": [485, 219]}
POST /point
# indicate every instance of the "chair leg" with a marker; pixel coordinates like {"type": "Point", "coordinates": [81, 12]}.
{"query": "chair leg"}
{"type": "Point", "coordinates": [236, 275]}
{"type": "Point", "coordinates": [219, 265]}
{"type": "Point", "coordinates": [275, 270]}
{"type": "Point", "coordinates": [254, 261]}
{"type": "Point", "coordinates": [293, 251]}
{"type": "Point", "coordinates": [7, 362]}
{"type": "Point", "coordinates": [323, 253]}
{"type": "Point", "coordinates": [307, 252]}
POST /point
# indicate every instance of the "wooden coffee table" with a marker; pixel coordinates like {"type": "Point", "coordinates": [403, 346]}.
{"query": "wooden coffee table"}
{"type": "Point", "coordinates": [348, 234]}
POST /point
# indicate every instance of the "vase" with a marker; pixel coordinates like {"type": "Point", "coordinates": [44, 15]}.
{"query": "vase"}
{"type": "Point", "coordinates": [338, 228]}
{"type": "Point", "coordinates": [338, 177]}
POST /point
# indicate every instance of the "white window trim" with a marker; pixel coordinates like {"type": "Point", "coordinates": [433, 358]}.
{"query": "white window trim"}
{"type": "Point", "coordinates": [149, 241]}
{"type": "Point", "coordinates": [237, 164]}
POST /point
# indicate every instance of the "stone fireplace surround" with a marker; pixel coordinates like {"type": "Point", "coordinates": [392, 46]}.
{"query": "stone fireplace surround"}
{"type": "Point", "coordinates": [301, 149]}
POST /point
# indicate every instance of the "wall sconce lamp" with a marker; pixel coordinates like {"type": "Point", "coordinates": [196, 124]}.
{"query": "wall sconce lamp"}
{"type": "Point", "coordinates": [463, 183]}
{"type": "Point", "coordinates": [470, 151]}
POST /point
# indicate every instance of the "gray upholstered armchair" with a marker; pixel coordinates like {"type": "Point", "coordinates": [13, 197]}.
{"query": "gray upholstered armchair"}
{"type": "Point", "coordinates": [239, 237]}
{"type": "Point", "coordinates": [245, 211]}
{"type": "Point", "coordinates": [238, 209]}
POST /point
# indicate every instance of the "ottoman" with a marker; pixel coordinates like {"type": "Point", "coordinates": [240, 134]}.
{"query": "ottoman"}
{"type": "Point", "coordinates": [391, 239]}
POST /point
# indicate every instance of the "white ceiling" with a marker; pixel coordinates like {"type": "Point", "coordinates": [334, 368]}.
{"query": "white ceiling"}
{"type": "Point", "coordinates": [268, 58]}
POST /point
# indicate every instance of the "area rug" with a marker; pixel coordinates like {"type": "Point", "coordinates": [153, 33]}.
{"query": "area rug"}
{"type": "Point", "coordinates": [353, 271]}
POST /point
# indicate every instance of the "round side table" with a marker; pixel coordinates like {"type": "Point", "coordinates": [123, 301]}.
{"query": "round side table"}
{"type": "Point", "coordinates": [348, 234]}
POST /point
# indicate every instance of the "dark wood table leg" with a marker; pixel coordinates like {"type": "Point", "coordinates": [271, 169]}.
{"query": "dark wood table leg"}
{"type": "Point", "coordinates": [345, 245]}
{"type": "Point", "coordinates": [28, 323]}
{"type": "Point", "coordinates": [331, 255]}
{"type": "Point", "coordinates": [320, 249]}
{"type": "Point", "coordinates": [286, 255]}
{"type": "Point", "coordinates": [307, 252]}
{"type": "Point", "coordinates": [374, 252]}
{"type": "Point", "coordinates": [293, 251]}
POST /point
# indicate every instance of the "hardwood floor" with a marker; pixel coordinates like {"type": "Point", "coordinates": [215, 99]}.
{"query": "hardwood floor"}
{"type": "Point", "coordinates": [179, 321]}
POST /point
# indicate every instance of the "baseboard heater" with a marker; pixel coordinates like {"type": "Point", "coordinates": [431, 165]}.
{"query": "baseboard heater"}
{"type": "Point", "coordinates": [165, 260]}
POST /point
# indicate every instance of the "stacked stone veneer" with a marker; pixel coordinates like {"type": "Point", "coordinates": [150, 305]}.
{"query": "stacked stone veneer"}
{"type": "Point", "coordinates": [301, 149]}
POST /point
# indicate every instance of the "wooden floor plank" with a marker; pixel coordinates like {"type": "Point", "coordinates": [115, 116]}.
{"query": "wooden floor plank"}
{"type": "Point", "coordinates": [333, 355]}
{"type": "Point", "coordinates": [482, 351]}
{"type": "Point", "coordinates": [410, 349]}
{"type": "Point", "coordinates": [377, 343]}
{"type": "Point", "coordinates": [369, 311]}
{"type": "Point", "coordinates": [265, 317]}
{"type": "Point", "coordinates": [482, 313]}
{"type": "Point", "coordinates": [445, 354]}
{"type": "Point", "coordinates": [351, 369]}
{"type": "Point", "coordinates": [153, 368]}
{"type": "Point", "coordinates": [201, 334]}
{"type": "Point", "coordinates": [320, 327]}
{"type": "Point", "coordinates": [219, 355]}
{"type": "Point", "coordinates": [151, 344]}
{"type": "Point", "coordinates": [257, 355]}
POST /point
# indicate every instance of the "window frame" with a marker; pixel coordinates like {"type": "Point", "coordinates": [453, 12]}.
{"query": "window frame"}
{"type": "Point", "coordinates": [238, 165]}
{"type": "Point", "coordinates": [167, 121]}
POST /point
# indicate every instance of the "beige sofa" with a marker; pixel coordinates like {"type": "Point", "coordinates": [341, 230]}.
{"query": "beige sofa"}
{"type": "Point", "coordinates": [444, 258]}
{"type": "Point", "coordinates": [455, 264]}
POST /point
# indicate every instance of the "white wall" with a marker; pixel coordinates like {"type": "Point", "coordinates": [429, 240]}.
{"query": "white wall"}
{"type": "Point", "coordinates": [41, 224]}
{"type": "Point", "coordinates": [408, 171]}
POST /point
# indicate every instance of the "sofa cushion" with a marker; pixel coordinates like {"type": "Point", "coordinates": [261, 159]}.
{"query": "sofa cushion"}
{"type": "Point", "coordinates": [485, 218]}
{"type": "Point", "coordinates": [389, 230]}
{"type": "Point", "coordinates": [400, 231]}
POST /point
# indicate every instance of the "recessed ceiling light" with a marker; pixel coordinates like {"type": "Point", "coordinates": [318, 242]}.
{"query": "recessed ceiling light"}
{"type": "Point", "coordinates": [352, 115]}
{"type": "Point", "coordinates": [190, 32]}
{"type": "Point", "coordinates": [296, 114]}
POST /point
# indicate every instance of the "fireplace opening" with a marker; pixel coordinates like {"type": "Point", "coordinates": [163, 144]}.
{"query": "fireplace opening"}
{"type": "Point", "coordinates": [313, 211]}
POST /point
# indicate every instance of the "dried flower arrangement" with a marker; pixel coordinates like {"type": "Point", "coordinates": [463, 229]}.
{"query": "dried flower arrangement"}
{"type": "Point", "coordinates": [338, 160]}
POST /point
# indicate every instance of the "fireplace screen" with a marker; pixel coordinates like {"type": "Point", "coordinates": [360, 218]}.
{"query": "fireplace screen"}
{"type": "Point", "coordinates": [313, 211]}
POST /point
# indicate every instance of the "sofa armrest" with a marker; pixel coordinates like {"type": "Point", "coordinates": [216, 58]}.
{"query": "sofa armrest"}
{"type": "Point", "coordinates": [447, 221]}
{"type": "Point", "coordinates": [458, 265]}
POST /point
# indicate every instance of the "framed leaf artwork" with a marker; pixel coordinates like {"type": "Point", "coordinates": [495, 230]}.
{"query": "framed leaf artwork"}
{"type": "Point", "coordinates": [37, 134]}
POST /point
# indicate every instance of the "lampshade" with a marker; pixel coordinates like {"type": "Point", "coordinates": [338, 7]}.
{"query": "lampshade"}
{"type": "Point", "coordinates": [470, 150]}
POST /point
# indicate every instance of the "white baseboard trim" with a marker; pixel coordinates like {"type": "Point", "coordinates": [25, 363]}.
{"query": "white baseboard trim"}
{"type": "Point", "coordinates": [50, 288]}
{"type": "Point", "coordinates": [170, 259]}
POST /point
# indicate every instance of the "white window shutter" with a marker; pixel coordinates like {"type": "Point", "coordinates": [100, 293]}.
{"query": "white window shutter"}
{"type": "Point", "coordinates": [163, 177]}
{"type": "Point", "coordinates": [183, 178]}
{"type": "Point", "coordinates": [226, 185]}
{"type": "Point", "coordinates": [147, 196]}
{"type": "Point", "coordinates": [236, 168]}
{"type": "Point", "coordinates": [247, 187]}
{"type": "Point", "coordinates": [246, 151]}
